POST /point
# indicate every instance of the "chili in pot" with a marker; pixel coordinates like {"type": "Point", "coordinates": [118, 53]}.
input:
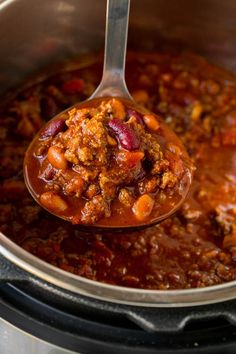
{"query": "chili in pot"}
{"type": "Point", "coordinates": [194, 248]}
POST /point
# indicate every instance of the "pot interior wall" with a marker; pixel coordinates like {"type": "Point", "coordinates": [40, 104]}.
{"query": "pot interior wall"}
{"type": "Point", "coordinates": [35, 34]}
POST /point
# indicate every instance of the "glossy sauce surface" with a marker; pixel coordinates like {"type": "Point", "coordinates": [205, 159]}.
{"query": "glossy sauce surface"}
{"type": "Point", "coordinates": [105, 163]}
{"type": "Point", "coordinates": [194, 248]}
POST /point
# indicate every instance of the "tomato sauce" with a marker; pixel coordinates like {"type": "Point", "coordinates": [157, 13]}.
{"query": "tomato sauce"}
{"type": "Point", "coordinates": [196, 247]}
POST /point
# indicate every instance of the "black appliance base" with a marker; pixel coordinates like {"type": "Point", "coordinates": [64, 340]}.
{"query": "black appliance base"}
{"type": "Point", "coordinates": [88, 330]}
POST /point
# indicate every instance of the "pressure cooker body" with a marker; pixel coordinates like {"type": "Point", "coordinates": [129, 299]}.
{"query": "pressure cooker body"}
{"type": "Point", "coordinates": [35, 314]}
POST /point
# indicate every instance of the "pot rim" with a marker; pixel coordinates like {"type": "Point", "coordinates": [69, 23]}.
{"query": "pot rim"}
{"type": "Point", "coordinates": [111, 293]}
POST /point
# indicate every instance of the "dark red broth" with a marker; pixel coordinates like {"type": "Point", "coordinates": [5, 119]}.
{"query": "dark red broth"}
{"type": "Point", "coordinates": [194, 248]}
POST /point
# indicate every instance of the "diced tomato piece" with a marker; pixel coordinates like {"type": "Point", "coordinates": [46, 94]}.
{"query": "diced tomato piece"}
{"type": "Point", "coordinates": [130, 158]}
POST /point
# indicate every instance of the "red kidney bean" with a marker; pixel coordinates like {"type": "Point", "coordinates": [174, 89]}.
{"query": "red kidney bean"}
{"type": "Point", "coordinates": [136, 115]}
{"type": "Point", "coordinates": [53, 128]}
{"type": "Point", "coordinates": [125, 134]}
{"type": "Point", "coordinates": [49, 108]}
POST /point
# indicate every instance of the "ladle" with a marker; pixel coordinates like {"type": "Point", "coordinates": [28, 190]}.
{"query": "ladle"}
{"type": "Point", "coordinates": [113, 85]}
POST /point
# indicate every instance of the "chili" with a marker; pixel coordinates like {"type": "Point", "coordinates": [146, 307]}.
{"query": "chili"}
{"type": "Point", "coordinates": [194, 248]}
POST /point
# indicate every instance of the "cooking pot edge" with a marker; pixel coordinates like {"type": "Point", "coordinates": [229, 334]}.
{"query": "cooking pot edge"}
{"type": "Point", "coordinates": [34, 268]}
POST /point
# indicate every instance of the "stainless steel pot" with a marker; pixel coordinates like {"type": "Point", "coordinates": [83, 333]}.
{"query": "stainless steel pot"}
{"type": "Point", "coordinates": [36, 33]}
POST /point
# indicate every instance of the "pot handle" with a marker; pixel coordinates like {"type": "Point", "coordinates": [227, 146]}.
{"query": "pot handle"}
{"type": "Point", "coordinates": [10, 272]}
{"type": "Point", "coordinates": [175, 319]}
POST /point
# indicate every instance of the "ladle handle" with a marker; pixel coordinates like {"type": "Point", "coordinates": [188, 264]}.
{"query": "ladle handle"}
{"type": "Point", "coordinates": [113, 79]}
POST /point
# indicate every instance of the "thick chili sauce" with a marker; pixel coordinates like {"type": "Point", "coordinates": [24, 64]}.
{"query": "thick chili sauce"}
{"type": "Point", "coordinates": [194, 248]}
{"type": "Point", "coordinates": [105, 163]}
